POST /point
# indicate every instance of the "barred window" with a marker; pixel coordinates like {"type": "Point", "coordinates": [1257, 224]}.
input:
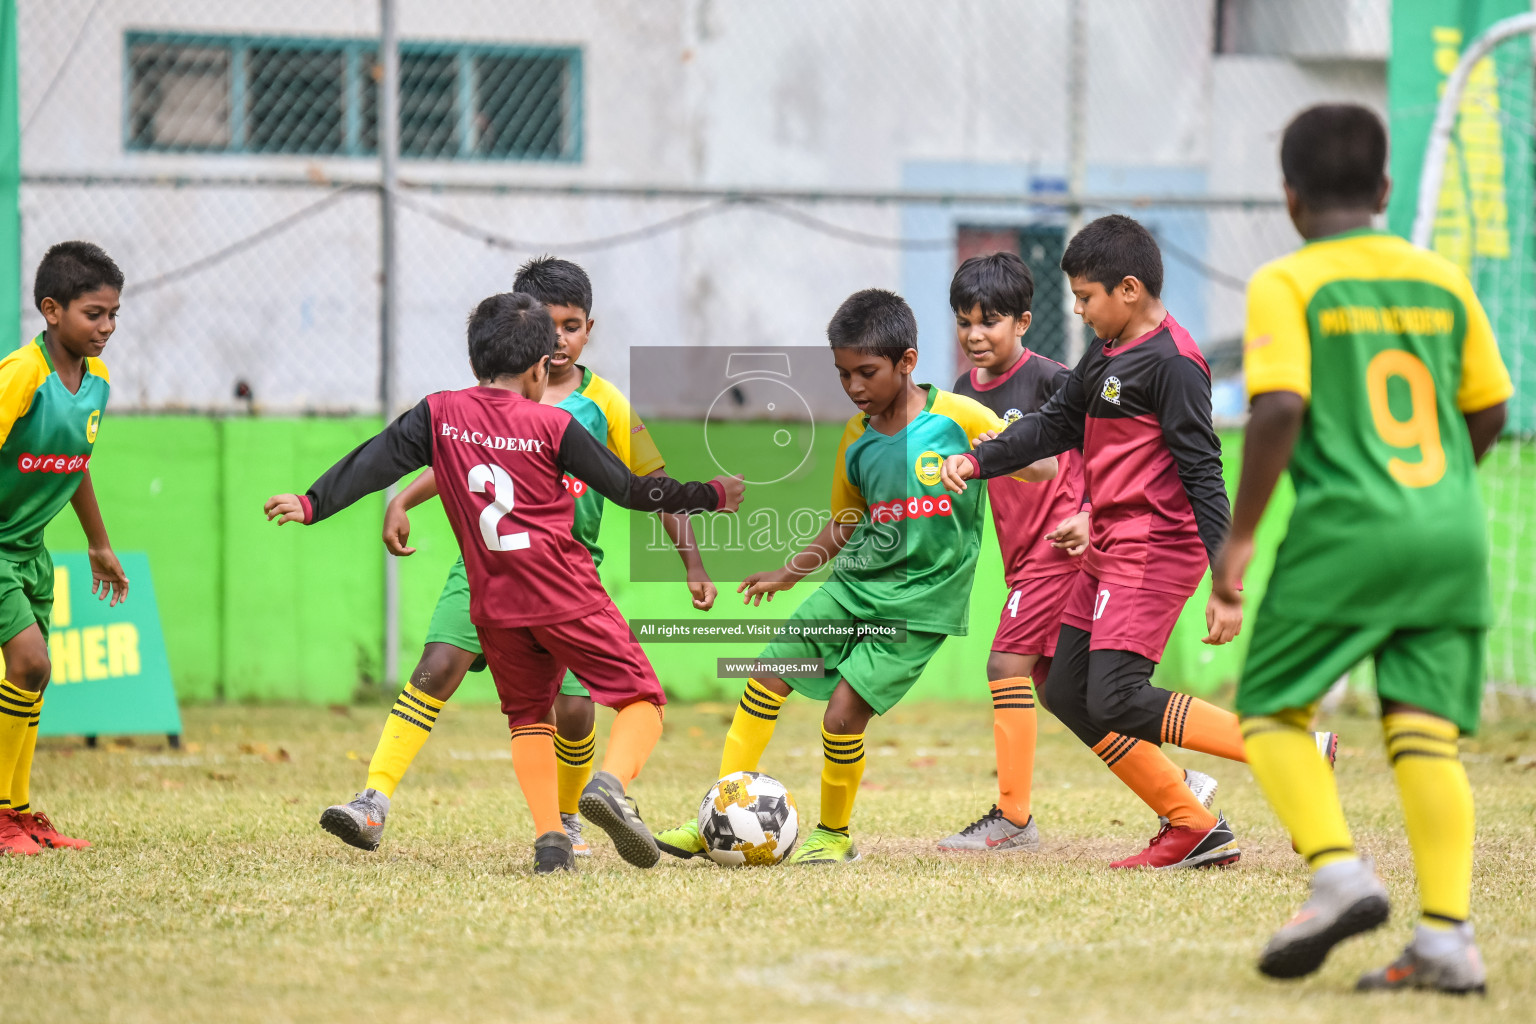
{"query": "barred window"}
{"type": "Point", "coordinates": [233, 94]}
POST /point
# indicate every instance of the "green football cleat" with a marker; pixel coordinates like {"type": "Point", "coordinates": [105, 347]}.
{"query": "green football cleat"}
{"type": "Point", "coordinates": [824, 846]}
{"type": "Point", "coordinates": [684, 841]}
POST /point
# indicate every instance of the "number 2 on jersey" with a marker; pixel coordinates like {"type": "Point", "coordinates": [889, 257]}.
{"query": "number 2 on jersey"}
{"type": "Point", "coordinates": [1420, 430]}
{"type": "Point", "coordinates": [499, 508]}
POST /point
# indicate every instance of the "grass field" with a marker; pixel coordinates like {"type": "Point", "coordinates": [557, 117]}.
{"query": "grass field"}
{"type": "Point", "coordinates": [213, 895]}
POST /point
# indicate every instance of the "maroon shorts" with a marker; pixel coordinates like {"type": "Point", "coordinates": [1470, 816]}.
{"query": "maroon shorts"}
{"type": "Point", "coordinates": [1122, 618]}
{"type": "Point", "coordinates": [1031, 619]}
{"type": "Point", "coordinates": [527, 664]}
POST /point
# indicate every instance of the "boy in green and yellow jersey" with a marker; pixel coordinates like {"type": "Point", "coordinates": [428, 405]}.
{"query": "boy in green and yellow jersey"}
{"type": "Point", "coordinates": [1375, 379]}
{"type": "Point", "coordinates": [904, 555]}
{"type": "Point", "coordinates": [452, 647]}
{"type": "Point", "coordinates": [52, 393]}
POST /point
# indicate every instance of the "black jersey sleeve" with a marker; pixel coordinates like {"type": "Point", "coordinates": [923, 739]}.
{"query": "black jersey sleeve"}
{"type": "Point", "coordinates": [590, 461]}
{"type": "Point", "coordinates": [1184, 411]}
{"type": "Point", "coordinates": [1050, 430]}
{"type": "Point", "coordinates": [404, 445]}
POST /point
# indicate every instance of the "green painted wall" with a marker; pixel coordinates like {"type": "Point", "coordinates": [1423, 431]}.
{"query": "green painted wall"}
{"type": "Point", "coordinates": [256, 612]}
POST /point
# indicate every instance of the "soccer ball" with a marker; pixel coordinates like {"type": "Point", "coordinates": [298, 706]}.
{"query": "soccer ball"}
{"type": "Point", "coordinates": [748, 818]}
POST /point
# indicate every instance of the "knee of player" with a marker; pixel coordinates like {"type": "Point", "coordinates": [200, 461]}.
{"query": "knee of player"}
{"type": "Point", "coordinates": [30, 673]}
{"type": "Point", "coordinates": [575, 717]}
{"type": "Point", "coordinates": [843, 721]}
{"type": "Point", "coordinates": [1106, 706]}
{"type": "Point", "coordinates": [440, 670]}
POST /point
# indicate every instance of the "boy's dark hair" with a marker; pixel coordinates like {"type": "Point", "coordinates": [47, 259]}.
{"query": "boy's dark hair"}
{"type": "Point", "coordinates": [509, 333]}
{"type": "Point", "coordinates": [70, 269]}
{"type": "Point", "coordinates": [875, 322]}
{"type": "Point", "coordinates": [1335, 155]}
{"type": "Point", "coordinates": [1113, 248]}
{"type": "Point", "coordinates": [555, 282]}
{"type": "Point", "coordinates": [999, 282]}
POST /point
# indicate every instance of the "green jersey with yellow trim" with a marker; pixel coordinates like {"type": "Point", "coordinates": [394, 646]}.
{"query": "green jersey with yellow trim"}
{"type": "Point", "coordinates": [912, 557]}
{"type": "Point", "coordinates": [602, 408]}
{"type": "Point", "coordinates": [1390, 347]}
{"type": "Point", "coordinates": [46, 438]}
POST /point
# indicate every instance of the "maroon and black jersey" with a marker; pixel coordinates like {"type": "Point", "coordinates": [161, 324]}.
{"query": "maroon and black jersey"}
{"type": "Point", "coordinates": [1025, 512]}
{"type": "Point", "coordinates": [499, 459]}
{"type": "Point", "coordinates": [1141, 413]}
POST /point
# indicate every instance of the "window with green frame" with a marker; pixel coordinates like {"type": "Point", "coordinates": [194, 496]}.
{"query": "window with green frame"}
{"type": "Point", "coordinates": [319, 97]}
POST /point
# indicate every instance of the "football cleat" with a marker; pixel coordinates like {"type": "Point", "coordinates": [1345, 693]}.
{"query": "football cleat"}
{"type": "Point", "coordinates": [359, 823]}
{"type": "Point", "coordinates": [1176, 846]}
{"type": "Point", "coordinates": [1328, 746]}
{"type": "Point", "coordinates": [684, 841]}
{"type": "Point", "coordinates": [1438, 960]}
{"type": "Point", "coordinates": [605, 805]}
{"type": "Point", "coordinates": [552, 852]}
{"type": "Point", "coordinates": [1201, 785]}
{"type": "Point", "coordinates": [45, 835]}
{"type": "Point", "coordinates": [992, 831]}
{"type": "Point", "coordinates": [13, 838]}
{"type": "Point", "coordinates": [1347, 899]}
{"type": "Point", "coordinates": [572, 826]}
{"type": "Point", "coordinates": [825, 846]}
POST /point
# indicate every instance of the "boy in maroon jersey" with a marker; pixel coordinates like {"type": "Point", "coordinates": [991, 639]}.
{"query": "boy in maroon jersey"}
{"type": "Point", "coordinates": [1139, 407]}
{"type": "Point", "coordinates": [535, 599]}
{"type": "Point", "coordinates": [1042, 529]}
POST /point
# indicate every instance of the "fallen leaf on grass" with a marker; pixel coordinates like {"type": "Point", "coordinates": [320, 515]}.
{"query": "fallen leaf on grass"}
{"type": "Point", "coordinates": [924, 762]}
{"type": "Point", "coordinates": [280, 756]}
{"type": "Point", "coordinates": [221, 776]}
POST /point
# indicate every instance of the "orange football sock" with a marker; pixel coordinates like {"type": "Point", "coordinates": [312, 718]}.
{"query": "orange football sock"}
{"type": "Point", "coordinates": [533, 759]}
{"type": "Point", "coordinates": [1193, 724]}
{"type": "Point", "coordinates": [1013, 733]}
{"type": "Point", "coordinates": [631, 740]}
{"type": "Point", "coordinates": [1158, 781]}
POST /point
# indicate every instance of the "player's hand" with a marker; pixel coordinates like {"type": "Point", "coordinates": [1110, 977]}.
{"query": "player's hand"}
{"type": "Point", "coordinates": [397, 529]}
{"type": "Point", "coordinates": [285, 508]}
{"type": "Point", "coordinates": [985, 435]}
{"type": "Point", "coordinates": [1231, 563]}
{"type": "Point", "coordinates": [107, 577]}
{"type": "Point", "coordinates": [763, 585]}
{"type": "Point", "coordinates": [1223, 620]}
{"type": "Point", "coordinates": [957, 469]}
{"type": "Point", "coordinates": [703, 589]}
{"type": "Point", "coordinates": [734, 487]}
{"type": "Point", "coordinates": [1071, 534]}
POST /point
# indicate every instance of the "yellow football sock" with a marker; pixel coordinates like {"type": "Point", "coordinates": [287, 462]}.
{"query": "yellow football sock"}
{"type": "Point", "coordinates": [1437, 810]}
{"type": "Point", "coordinates": [573, 767]}
{"type": "Point", "coordinates": [533, 761]}
{"type": "Point", "coordinates": [21, 777]}
{"type": "Point", "coordinates": [1284, 759]}
{"type": "Point", "coordinates": [406, 730]}
{"type": "Point", "coordinates": [16, 706]}
{"type": "Point", "coordinates": [842, 767]}
{"type": "Point", "coordinates": [751, 729]}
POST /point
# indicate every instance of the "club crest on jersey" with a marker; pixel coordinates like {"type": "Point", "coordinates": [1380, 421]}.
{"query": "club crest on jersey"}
{"type": "Point", "coordinates": [92, 422]}
{"type": "Point", "coordinates": [927, 467]}
{"type": "Point", "coordinates": [1111, 392]}
{"type": "Point", "coordinates": [1012, 415]}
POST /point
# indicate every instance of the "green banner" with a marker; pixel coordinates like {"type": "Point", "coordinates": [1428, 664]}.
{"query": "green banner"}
{"type": "Point", "coordinates": [110, 673]}
{"type": "Point", "coordinates": [1484, 220]}
{"type": "Point", "coordinates": [10, 180]}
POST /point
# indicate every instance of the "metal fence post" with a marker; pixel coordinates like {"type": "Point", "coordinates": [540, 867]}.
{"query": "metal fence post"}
{"type": "Point", "coordinates": [389, 147]}
{"type": "Point", "coordinates": [1077, 154]}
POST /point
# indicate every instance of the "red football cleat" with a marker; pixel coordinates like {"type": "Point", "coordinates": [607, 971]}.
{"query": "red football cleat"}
{"type": "Point", "coordinates": [14, 839]}
{"type": "Point", "coordinates": [1180, 847]}
{"type": "Point", "coordinates": [43, 833]}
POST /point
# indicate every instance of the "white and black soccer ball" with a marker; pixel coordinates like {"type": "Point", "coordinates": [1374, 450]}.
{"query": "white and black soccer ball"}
{"type": "Point", "coordinates": [748, 818]}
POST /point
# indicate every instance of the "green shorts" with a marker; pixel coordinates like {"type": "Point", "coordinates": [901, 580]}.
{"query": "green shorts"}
{"type": "Point", "coordinates": [450, 625]}
{"type": "Point", "coordinates": [26, 595]}
{"type": "Point", "coordinates": [1291, 664]}
{"type": "Point", "coordinates": [878, 671]}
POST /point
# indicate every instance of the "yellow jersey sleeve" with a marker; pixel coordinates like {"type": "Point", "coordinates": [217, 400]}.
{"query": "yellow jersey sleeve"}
{"type": "Point", "coordinates": [971, 415]}
{"type": "Point", "coordinates": [848, 504]}
{"type": "Point", "coordinates": [628, 437]}
{"type": "Point", "coordinates": [99, 368]}
{"type": "Point", "coordinates": [21, 373]}
{"type": "Point", "coordinates": [1484, 378]}
{"type": "Point", "coordinates": [1277, 346]}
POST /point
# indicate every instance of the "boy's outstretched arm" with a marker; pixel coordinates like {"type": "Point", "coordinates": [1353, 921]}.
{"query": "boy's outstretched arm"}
{"type": "Point", "coordinates": [404, 445]}
{"type": "Point", "coordinates": [397, 524]}
{"type": "Point", "coordinates": [680, 531]}
{"type": "Point", "coordinates": [1048, 431]}
{"type": "Point", "coordinates": [821, 550]}
{"type": "Point", "coordinates": [589, 460]}
{"type": "Point", "coordinates": [1274, 420]}
{"type": "Point", "coordinates": [107, 575]}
